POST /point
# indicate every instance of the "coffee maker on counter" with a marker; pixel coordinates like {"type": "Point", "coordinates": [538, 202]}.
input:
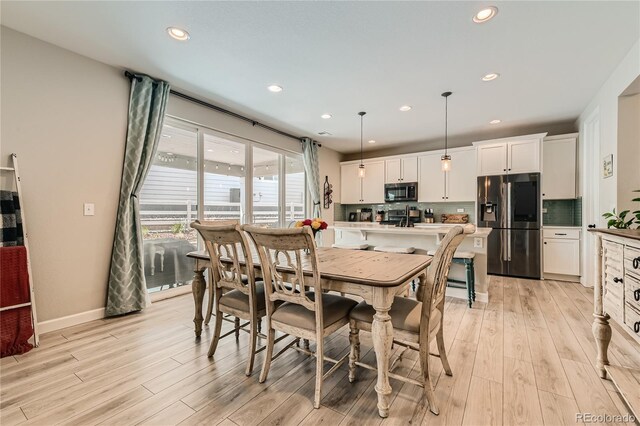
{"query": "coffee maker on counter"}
{"type": "Point", "coordinates": [428, 216]}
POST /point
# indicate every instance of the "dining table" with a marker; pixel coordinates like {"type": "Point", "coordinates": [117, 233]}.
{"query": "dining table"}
{"type": "Point", "coordinates": [377, 277]}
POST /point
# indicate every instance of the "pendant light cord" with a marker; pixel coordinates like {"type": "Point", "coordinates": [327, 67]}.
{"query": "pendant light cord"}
{"type": "Point", "coordinates": [361, 114]}
{"type": "Point", "coordinates": [446, 124]}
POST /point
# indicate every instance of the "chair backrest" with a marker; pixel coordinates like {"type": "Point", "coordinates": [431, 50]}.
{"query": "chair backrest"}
{"type": "Point", "coordinates": [284, 255]}
{"type": "Point", "coordinates": [226, 241]}
{"type": "Point", "coordinates": [438, 274]}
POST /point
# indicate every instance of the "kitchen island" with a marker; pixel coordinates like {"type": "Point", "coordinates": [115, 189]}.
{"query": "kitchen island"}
{"type": "Point", "coordinates": [423, 237]}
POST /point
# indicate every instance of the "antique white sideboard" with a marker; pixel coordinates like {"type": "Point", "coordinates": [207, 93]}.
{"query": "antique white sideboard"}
{"type": "Point", "coordinates": [617, 297]}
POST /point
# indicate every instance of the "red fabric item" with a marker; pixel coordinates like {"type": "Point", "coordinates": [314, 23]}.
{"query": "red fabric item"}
{"type": "Point", "coordinates": [15, 324]}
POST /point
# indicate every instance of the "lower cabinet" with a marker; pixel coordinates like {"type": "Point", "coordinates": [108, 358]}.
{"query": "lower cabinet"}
{"type": "Point", "coordinates": [561, 251]}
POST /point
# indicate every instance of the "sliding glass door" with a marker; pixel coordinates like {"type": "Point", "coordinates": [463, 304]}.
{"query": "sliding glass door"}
{"type": "Point", "coordinates": [200, 173]}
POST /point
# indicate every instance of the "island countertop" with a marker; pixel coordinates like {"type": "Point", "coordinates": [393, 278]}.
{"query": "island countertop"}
{"type": "Point", "coordinates": [419, 228]}
{"type": "Point", "coordinates": [633, 234]}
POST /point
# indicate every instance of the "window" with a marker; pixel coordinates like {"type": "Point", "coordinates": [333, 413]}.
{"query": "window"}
{"type": "Point", "coordinates": [199, 173]}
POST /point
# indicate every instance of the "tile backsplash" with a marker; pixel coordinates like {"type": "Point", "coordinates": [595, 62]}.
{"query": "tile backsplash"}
{"type": "Point", "coordinates": [341, 211]}
{"type": "Point", "coordinates": [562, 212]}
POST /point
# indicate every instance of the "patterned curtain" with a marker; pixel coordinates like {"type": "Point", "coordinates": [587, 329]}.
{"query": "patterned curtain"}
{"type": "Point", "coordinates": [312, 168]}
{"type": "Point", "coordinates": [127, 290]}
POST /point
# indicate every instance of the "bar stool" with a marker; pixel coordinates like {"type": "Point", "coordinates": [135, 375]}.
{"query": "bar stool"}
{"type": "Point", "coordinates": [464, 258]}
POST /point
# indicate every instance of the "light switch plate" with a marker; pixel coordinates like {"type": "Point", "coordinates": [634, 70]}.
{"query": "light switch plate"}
{"type": "Point", "coordinates": [460, 210]}
{"type": "Point", "coordinates": [544, 210]}
{"type": "Point", "coordinates": [477, 242]}
{"type": "Point", "coordinates": [89, 209]}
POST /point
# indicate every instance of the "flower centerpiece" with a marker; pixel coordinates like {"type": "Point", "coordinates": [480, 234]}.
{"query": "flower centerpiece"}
{"type": "Point", "coordinates": [316, 224]}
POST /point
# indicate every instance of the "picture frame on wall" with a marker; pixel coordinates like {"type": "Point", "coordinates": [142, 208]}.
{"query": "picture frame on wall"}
{"type": "Point", "coordinates": [607, 166]}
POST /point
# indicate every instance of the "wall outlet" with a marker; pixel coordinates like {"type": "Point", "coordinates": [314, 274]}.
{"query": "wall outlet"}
{"type": "Point", "coordinates": [544, 210]}
{"type": "Point", "coordinates": [477, 242]}
{"type": "Point", "coordinates": [460, 210]}
{"type": "Point", "coordinates": [89, 209]}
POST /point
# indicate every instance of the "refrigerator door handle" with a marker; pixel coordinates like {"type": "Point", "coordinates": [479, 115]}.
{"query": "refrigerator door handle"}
{"type": "Point", "coordinates": [509, 245]}
{"type": "Point", "coordinates": [509, 207]}
{"type": "Point", "coordinates": [505, 254]}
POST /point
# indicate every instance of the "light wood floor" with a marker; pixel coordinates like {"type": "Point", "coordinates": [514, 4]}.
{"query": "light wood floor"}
{"type": "Point", "coordinates": [526, 357]}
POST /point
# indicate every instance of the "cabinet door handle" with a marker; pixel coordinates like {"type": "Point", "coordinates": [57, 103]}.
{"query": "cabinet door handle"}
{"type": "Point", "coordinates": [636, 295]}
{"type": "Point", "coordinates": [559, 233]}
{"type": "Point", "coordinates": [636, 327]}
{"type": "Point", "coordinates": [617, 280]}
{"type": "Point", "coordinates": [545, 242]}
{"type": "Point", "coordinates": [636, 263]}
{"type": "Point", "coordinates": [591, 226]}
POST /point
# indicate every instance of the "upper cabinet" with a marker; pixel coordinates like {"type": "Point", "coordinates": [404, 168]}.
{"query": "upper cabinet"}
{"type": "Point", "coordinates": [509, 155]}
{"type": "Point", "coordinates": [559, 167]}
{"type": "Point", "coordinates": [458, 184]}
{"type": "Point", "coordinates": [403, 169]}
{"type": "Point", "coordinates": [368, 190]}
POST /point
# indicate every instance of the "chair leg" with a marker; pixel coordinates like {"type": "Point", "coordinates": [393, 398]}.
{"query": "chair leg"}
{"type": "Point", "coordinates": [428, 387]}
{"type": "Point", "coordinates": [443, 353]}
{"type": "Point", "coordinates": [319, 372]}
{"type": "Point", "coordinates": [473, 281]}
{"type": "Point", "coordinates": [253, 336]}
{"type": "Point", "coordinates": [207, 318]}
{"type": "Point", "coordinates": [236, 324]}
{"type": "Point", "coordinates": [354, 353]}
{"type": "Point", "coordinates": [266, 365]}
{"type": "Point", "coordinates": [259, 325]}
{"type": "Point", "coordinates": [216, 334]}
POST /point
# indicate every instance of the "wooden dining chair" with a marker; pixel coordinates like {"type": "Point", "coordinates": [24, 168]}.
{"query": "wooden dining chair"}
{"type": "Point", "coordinates": [284, 255]}
{"type": "Point", "coordinates": [235, 289]}
{"type": "Point", "coordinates": [416, 323]}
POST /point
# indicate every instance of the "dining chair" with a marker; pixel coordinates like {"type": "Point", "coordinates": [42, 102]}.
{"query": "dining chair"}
{"type": "Point", "coordinates": [416, 323]}
{"type": "Point", "coordinates": [285, 254]}
{"type": "Point", "coordinates": [234, 288]}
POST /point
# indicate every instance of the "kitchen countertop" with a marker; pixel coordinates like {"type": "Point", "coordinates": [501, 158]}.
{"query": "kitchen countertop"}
{"type": "Point", "coordinates": [419, 228]}
{"type": "Point", "coordinates": [633, 234]}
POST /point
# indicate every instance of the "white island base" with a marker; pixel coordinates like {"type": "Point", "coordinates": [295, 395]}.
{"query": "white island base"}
{"type": "Point", "coordinates": [423, 237]}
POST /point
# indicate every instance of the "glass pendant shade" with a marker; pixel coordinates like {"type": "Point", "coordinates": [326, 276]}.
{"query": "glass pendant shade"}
{"type": "Point", "coordinates": [361, 172]}
{"type": "Point", "coordinates": [445, 161]}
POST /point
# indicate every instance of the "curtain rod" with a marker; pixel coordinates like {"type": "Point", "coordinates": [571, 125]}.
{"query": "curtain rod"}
{"type": "Point", "coordinates": [254, 123]}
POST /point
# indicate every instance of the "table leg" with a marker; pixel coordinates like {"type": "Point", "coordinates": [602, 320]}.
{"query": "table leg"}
{"type": "Point", "coordinates": [600, 328]}
{"type": "Point", "coordinates": [382, 335]}
{"type": "Point", "coordinates": [197, 288]}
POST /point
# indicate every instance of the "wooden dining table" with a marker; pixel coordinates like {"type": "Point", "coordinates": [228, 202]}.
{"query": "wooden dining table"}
{"type": "Point", "coordinates": [375, 276]}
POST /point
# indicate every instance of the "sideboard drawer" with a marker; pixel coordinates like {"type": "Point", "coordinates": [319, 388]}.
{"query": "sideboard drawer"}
{"type": "Point", "coordinates": [632, 319]}
{"type": "Point", "coordinates": [632, 260]}
{"type": "Point", "coordinates": [632, 291]}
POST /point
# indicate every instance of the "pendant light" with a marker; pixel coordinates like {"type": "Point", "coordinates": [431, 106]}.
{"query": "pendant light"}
{"type": "Point", "coordinates": [361, 171]}
{"type": "Point", "coordinates": [446, 158]}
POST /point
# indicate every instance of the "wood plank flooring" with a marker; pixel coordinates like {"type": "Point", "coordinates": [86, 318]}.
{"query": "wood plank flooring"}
{"type": "Point", "coordinates": [525, 357]}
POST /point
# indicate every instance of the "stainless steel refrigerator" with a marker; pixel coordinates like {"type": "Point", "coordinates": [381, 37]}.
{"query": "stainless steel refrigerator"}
{"type": "Point", "coordinates": [510, 204]}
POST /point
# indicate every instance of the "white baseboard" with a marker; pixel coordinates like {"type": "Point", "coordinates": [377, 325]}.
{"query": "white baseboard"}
{"type": "Point", "coordinates": [461, 293]}
{"type": "Point", "coordinates": [70, 320]}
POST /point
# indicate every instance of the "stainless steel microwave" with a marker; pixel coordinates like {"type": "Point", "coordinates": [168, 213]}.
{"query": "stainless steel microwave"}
{"type": "Point", "coordinates": [396, 192]}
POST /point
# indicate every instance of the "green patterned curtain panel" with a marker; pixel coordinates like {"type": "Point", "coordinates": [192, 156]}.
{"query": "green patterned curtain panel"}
{"type": "Point", "coordinates": [127, 290]}
{"type": "Point", "coordinates": [312, 168]}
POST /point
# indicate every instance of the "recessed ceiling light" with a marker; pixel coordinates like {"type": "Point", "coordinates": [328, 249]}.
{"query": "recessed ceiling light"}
{"type": "Point", "coordinates": [495, 122]}
{"type": "Point", "coordinates": [485, 14]}
{"type": "Point", "coordinates": [178, 33]}
{"type": "Point", "coordinates": [209, 150]}
{"type": "Point", "coordinates": [490, 76]}
{"type": "Point", "coordinates": [166, 136]}
{"type": "Point", "coordinates": [326, 116]}
{"type": "Point", "coordinates": [234, 151]}
{"type": "Point", "coordinates": [372, 141]}
{"type": "Point", "coordinates": [324, 133]}
{"type": "Point", "coordinates": [275, 88]}
{"type": "Point", "coordinates": [169, 153]}
{"type": "Point", "coordinates": [405, 108]}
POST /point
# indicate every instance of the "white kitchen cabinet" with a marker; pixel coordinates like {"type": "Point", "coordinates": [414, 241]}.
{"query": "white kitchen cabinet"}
{"type": "Point", "coordinates": [561, 252]}
{"type": "Point", "coordinates": [350, 184]}
{"type": "Point", "coordinates": [492, 159]}
{"type": "Point", "coordinates": [431, 184]}
{"type": "Point", "coordinates": [373, 183]}
{"type": "Point", "coordinates": [509, 155]}
{"type": "Point", "coordinates": [461, 179]}
{"type": "Point", "coordinates": [459, 184]}
{"type": "Point", "coordinates": [369, 190]}
{"type": "Point", "coordinates": [559, 167]}
{"type": "Point", "coordinates": [404, 169]}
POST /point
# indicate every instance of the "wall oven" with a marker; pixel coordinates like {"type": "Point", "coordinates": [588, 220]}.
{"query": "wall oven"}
{"type": "Point", "coordinates": [396, 192]}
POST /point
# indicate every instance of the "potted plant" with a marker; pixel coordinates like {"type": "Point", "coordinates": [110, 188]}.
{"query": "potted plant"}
{"type": "Point", "coordinates": [622, 220]}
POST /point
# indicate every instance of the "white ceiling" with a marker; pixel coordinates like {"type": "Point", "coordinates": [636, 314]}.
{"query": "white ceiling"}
{"type": "Point", "coordinates": [345, 57]}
